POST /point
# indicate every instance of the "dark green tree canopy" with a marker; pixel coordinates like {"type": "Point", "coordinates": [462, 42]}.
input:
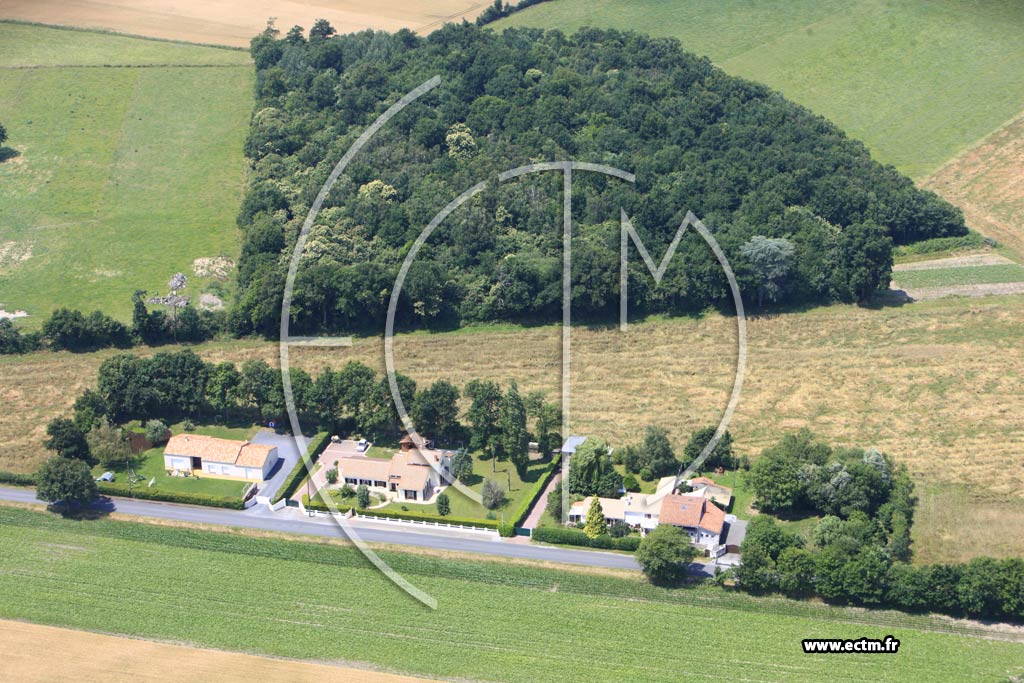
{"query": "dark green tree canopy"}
{"type": "Point", "coordinates": [747, 162]}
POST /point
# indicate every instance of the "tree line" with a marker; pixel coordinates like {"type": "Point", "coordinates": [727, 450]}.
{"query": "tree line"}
{"type": "Point", "coordinates": [171, 386]}
{"type": "Point", "coordinates": [860, 548]}
{"type": "Point", "coordinates": [803, 213]}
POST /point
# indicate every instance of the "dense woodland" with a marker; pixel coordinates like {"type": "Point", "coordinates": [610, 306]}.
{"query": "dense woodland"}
{"type": "Point", "coordinates": [747, 162]}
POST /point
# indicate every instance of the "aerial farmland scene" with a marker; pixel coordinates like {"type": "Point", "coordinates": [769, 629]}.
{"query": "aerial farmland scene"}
{"type": "Point", "coordinates": [549, 340]}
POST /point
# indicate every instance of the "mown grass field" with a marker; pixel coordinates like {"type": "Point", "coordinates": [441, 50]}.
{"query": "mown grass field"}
{"type": "Point", "coordinates": [129, 165]}
{"type": "Point", "coordinates": [496, 621]}
{"type": "Point", "coordinates": [937, 384]}
{"type": "Point", "coordinates": [918, 82]}
{"type": "Point", "coordinates": [969, 275]}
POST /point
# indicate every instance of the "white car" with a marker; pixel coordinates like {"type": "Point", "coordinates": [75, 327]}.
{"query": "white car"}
{"type": "Point", "coordinates": [106, 476]}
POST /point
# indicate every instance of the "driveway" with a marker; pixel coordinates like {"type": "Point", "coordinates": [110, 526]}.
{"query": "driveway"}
{"type": "Point", "coordinates": [287, 455]}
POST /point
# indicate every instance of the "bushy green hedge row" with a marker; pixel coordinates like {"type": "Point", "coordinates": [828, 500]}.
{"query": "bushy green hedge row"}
{"type": "Point", "coordinates": [573, 537]}
{"type": "Point", "coordinates": [318, 504]}
{"type": "Point", "coordinates": [316, 446]}
{"type": "Point", "coordinates": [971, 240]}
{"type": "Point", "coordinates": [538, 489]}
{"type": "Point", "coordinates": [120, 489]}
{"type": "Point", "coordinates": [17, 479]}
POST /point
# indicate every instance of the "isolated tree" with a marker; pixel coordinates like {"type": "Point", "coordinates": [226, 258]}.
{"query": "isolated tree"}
{"type": "Point", "coordinates": [66, 439]}
{"type": "Point", "coordinates": [596, 524]}
{"type": "Point", "coordinates": [591, 472]}
{"type": "Point", "coordinates": [771, 259]}
{"type": "Point", "coordinates": [108, 445]}
{"type": "Point", "coordinates": [63, 480]}
{"type": "Point", "coordinates": [492, 495]}
{"type": "Point", "coordinates": [363, 496]}
{"type": "Point", "coordinates": [657, 453]}
{"type": "Point", "coordinates": [515, 440]}
{"type": "Point", "coordinates": [443, 504]}
{"type": "Point", "coordinates": [462, 466]}
{"type": "Point", "coordinates": [321, 29]}
{"type": "Point", "coordinates": [3, 134]}
{"type": "Point", "coordinates": [665, 554]}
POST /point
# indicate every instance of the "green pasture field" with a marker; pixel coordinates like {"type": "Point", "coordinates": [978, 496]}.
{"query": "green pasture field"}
{"type": "Point", "coordinates": [496, 621]}
{"type": "Point", "coordinates": [918, 82]}
{"type": "Point", "coordinates": [965, 275]}
{"type": "Point", "coordinates": [125, 171]}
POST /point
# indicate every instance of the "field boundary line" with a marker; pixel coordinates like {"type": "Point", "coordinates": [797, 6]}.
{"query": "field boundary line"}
{"type": "Point", "coordinates": [28, 67]}
{"type": "Point", "coordinates": [120, 34]}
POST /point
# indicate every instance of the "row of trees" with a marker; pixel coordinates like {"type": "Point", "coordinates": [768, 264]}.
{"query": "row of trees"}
{"type": "Point", "coordinates": [71, 330]}
{"type": "Point", "coordinates": [858, 561]}
{"type": "Point", "coordinates": [175, 385]}
{"type": "Point", "coordinates": [802, 212]}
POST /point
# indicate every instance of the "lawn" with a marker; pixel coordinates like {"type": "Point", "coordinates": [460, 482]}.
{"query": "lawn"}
{"type": "Point", "coordinates": [123, 577]}
{"type": "Point", "coordinates": [125, 171]}
{"type": "Point", "coordinates": [504, 474]}
{"type": "Point", "coordinates": [918, 82]}
{"type": "Point", "coordinates": [949, 277]}
{"type": "Point", "coordinates": [150, 465]}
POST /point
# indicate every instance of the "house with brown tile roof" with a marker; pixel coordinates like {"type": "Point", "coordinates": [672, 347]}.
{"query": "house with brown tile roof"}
{"type": "Point", "coordinates": [226, 458]}
{"type": "Point", "coordinates": [722, 495]}
{"type": "Point", "coordinates": [695, 514]}
{"type": "Point", "coordinates": [413, 474]}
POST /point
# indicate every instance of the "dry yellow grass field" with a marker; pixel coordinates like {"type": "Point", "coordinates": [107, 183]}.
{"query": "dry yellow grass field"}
{"type": "Point", "coordinates": [937, 384]}
{"type": "Point", "coordinates": [235, 22]}
{"type": "Point", "coordinates": [987, 182]}
{"type": "Point", "coordinates": [28, 652]}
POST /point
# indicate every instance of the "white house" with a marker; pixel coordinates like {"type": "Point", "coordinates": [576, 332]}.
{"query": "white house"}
{"type": "Point", "coordinates": [225, 458]}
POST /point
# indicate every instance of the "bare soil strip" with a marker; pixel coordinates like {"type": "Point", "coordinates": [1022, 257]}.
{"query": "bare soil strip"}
{"type": "Point", "coordinates": [33, 654]}
{"type": "Point", "coordinates": [235, 22]}
{"type": "Point", "coordinates": [955, 262]}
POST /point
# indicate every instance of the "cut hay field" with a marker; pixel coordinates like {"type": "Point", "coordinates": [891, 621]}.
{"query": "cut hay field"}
{"type": "Point", "coordinates": [918, 82]}
{"type": "Point", "coordinates": [987, 182]}
{"type": "Point", "coordinates": [27, 652]}
{"type": "Point", "coordinates": [937, 384]}
{"type": "Point", "coordinates": [129, 165]}
{"type": "Point", "coordinates": [496, 621]}
{"type": "Point", "coordinates": [235, 22]}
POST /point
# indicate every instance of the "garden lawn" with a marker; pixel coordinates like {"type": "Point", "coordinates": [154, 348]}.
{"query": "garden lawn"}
{"type": "Point", "coordinates": [495, 621]}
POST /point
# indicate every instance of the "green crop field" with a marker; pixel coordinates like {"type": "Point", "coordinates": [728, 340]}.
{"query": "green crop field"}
{"type": "Point", "coordinates": [967, 275]}
{"type": "Point", "coordinates": [129, 165]}
{"type": "Point", "coordinates": [918, 82]}
{"type": "Point", "coordinates": [495, 620]}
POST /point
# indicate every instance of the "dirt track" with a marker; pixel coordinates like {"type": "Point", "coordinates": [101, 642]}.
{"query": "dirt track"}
{"type": "Point", "coordinates": [234, 22]}
{"type": "Point", "coordinates": [32, 654]}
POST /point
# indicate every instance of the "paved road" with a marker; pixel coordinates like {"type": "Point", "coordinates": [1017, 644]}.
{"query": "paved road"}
{"type": "Point", "coordinates": [292, 521]}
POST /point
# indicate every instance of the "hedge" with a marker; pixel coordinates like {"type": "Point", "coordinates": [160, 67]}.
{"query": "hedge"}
{"type": "Point", "coordinates": [574, 537]}
{"type": "Point", "coordinates": [538, 489]}
{"type": "Point", "coordinates": [318, 504]}
{"type": "Point", "coordinates": [316, 446]}
{"type": "Point", "coordinates": [119, 489]}
{"type": "Point", "coordinates": [17, 479]}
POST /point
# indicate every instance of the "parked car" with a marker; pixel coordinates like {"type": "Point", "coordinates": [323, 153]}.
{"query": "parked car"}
{"type": "Point", "coordinates": [106, 476]}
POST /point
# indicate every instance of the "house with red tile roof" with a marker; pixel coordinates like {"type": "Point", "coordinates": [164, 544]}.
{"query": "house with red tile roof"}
{"type": "Point", "coordinates": [696, 515]}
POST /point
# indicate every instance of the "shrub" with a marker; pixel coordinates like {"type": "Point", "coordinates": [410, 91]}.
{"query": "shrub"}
{"type": "Point", "coordinates": [363, 496]}
{"type": "Point", "coordinates": [157, 432]}
{"type": "Point", "coordinates": [492, 495]}
{"type": "Point", "coordinates": [630, 483]}
{"type": "Point", "coordinates": [443, 504]}
{"type": "Point", "coordinates": [17, 479]}
{"type": "Point", "coordinates": [618, 529]}
{"type": "Point", "coordinates": [332, 475]}
{"type": "Point", "coordinates": [346, 491]}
